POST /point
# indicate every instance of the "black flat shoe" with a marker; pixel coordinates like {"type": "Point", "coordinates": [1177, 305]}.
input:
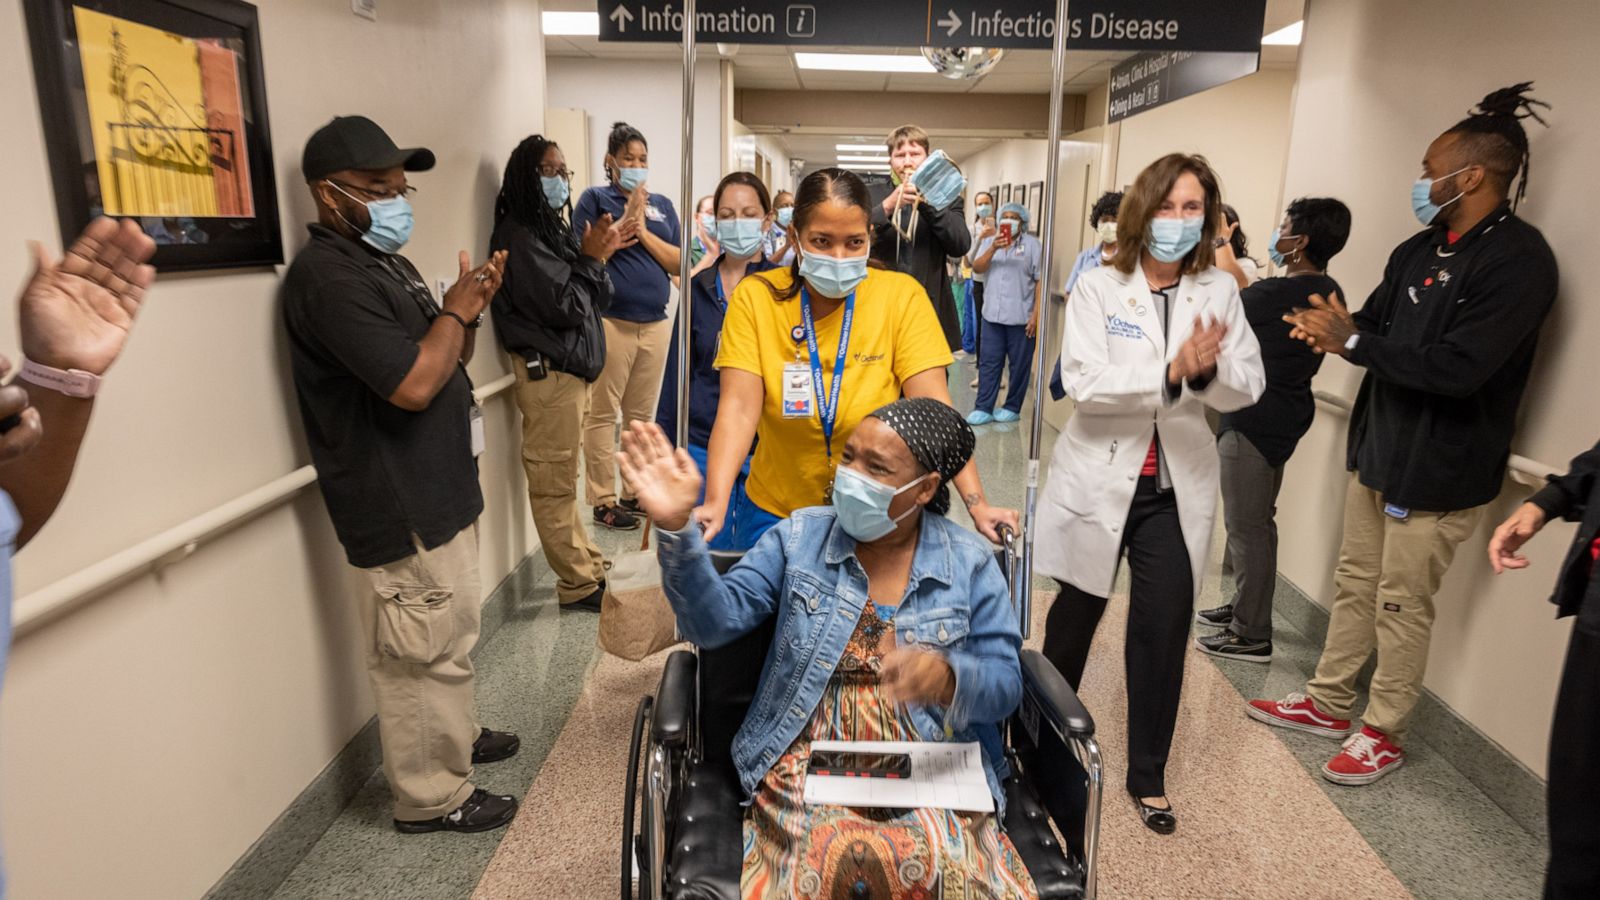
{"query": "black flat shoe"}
{"type": "Point", "coordinates": [1161, 821]}
{"type": "Point", "coordinates": [591, 603]}
{"type": "Point", "coordinates": [481, 811]}
{"type": "Point", "coordinates": [493, 746]}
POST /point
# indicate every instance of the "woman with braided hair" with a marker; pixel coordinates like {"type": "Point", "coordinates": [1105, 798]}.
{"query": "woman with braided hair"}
{"type": "Point", "coordinates": [547, 316]}
{"type": "Point", "coordinates": [1447, 339]}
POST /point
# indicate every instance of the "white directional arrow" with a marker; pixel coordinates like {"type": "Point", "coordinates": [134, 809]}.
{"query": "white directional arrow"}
{"type": "Point", "coordinates": [622, 17]}
{"type": "Point", "coordinates": [951, 23]}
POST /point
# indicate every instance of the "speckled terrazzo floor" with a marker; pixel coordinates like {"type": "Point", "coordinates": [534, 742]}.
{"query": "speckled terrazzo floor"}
{"type": "Point", "coordinates": [1255, 820]}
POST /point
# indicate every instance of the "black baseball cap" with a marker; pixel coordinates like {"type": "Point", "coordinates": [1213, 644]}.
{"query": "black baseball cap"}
{"type": "Point", "coordinates": [356, 142]}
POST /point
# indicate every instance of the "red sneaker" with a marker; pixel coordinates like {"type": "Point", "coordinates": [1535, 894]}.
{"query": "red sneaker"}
{"type": "Point", "coordinates": [1297, 711]}
{"type": "Point", "coordinates": [1367, 756]}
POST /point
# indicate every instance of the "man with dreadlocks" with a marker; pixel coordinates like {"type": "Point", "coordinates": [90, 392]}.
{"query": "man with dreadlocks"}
{"type": "Point", "coordinates": [1447, 340]}
{"type": "Point", "coordinates": [547, 316]}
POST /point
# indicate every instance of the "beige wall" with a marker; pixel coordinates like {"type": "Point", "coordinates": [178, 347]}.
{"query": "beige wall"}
{"type": "Point", "coordinates": [1022, 161]}
{"type": "Point", "coordinates": [151, 736]}
{"type": "Point", "coordinates": [1242, 127]}
{"type": "Point", "coordinates": [647, 94]}
{"type": "Point", "coordinates": [1378, 81]}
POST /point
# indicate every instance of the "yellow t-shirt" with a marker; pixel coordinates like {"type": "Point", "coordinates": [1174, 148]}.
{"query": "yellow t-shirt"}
{"type": "Point", "coordinates": [895, 335]}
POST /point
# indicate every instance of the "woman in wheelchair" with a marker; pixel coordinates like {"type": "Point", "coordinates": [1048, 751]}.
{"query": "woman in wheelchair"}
{"type": "Point", "coordinates": [893, 623]}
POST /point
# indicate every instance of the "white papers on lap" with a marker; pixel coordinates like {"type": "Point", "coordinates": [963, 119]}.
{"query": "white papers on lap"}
{"type": "Point", "coordinates": [943, 776]}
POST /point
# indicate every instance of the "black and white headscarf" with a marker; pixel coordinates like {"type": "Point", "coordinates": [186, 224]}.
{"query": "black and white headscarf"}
{"type": "Point", "coordinates": [939, 438]}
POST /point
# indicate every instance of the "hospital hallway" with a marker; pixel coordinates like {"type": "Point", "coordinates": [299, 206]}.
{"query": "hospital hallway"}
{"type": "Point", "coordinates": [1255, 812]}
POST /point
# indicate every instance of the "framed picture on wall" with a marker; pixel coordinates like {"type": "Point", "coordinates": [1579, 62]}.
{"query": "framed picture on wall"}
{"type": "Point", "coordinates": [994, 196]}
{"type": "Point", "coordinates": [156, 111]}
{"type": "Point", "coordinates": [1002, 198]}
{"type": "Point", "coordinates": [1019, 194]}
{"type": "Point", "coordinates": [1035, 206]}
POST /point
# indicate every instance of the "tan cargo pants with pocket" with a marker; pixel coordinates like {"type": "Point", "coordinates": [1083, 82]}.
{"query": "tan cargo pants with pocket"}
{"type": "Point", "coordinates": [420, 623]}
{"type": "Point", "coordinates": [1389, 570]}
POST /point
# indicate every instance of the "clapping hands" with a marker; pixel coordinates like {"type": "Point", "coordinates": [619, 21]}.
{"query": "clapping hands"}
{"type": "Point", "coordinates": [1326, 327]}
{"type": "Point", "coordinates": [1197, 356]}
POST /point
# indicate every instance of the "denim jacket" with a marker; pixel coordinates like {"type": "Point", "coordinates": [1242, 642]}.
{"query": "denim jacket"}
{"type": "Point", "coordinates": [806, 573]}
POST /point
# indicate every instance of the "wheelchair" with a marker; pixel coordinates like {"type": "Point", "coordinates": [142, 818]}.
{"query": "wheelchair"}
{"type": "Point", "coordinates": [682, 812]}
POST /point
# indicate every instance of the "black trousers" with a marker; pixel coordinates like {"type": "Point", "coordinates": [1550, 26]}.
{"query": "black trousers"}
{"type": "Point", "coordinates": [1160, 605]}
{"type": "Point", "coordinates": [1574, 785]}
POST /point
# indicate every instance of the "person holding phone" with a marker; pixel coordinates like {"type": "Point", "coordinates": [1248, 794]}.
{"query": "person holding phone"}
{"type": "Point", "coordinates": [1011, 317]}
{"type": "Point", "coordinates": [908, 615]}
{"type": "Point", "coordinates": [547, 316]}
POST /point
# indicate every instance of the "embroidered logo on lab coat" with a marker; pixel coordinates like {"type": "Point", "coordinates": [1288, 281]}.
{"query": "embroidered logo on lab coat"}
{"type": "Point", "coordinates": [1117, 326]}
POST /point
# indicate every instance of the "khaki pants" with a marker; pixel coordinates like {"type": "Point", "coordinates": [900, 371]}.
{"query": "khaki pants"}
{"type": "Point", "coordinates": [630, 384]}
{"type": "Point", "coordinates": [553, 411]}
{"type": "Point", "coordinates": [1388, 572]}
{"type": "Point", "coordinates": [420, 623]}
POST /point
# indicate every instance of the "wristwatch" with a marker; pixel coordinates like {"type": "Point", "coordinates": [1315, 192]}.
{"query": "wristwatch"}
{"type": "Point", "coordinates": [71, 382]}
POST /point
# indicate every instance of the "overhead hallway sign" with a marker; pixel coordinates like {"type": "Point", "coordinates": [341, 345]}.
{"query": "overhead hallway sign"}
{"type": "Point", "coordinates": [1144, 82]}
{"type": "Point", "coordinates": [1208, 25]}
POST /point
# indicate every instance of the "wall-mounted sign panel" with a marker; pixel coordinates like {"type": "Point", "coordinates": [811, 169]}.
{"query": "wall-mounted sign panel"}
{"type": "Point", "coordinates": [1144, 82]}
{"type": "Point", "coordinates": [1210, 25]}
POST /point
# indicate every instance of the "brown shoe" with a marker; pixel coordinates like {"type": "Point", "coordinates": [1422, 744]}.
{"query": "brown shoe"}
{"type": "Point", "coordinates": [615, 518]}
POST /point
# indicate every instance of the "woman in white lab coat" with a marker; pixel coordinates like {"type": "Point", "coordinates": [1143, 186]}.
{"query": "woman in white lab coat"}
{"type": "Point", "coordinates": [1150, 340]}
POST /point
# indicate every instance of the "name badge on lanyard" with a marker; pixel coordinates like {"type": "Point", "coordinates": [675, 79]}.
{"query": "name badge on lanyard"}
{"type": "Point", "coordinates": [827, 402]}
{"type": "Point", "coordinates": [475, 420]}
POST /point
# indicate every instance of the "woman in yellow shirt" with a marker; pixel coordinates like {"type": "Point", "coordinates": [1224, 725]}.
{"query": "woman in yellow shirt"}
{"type": "Point", "coordinates": [808, 351]}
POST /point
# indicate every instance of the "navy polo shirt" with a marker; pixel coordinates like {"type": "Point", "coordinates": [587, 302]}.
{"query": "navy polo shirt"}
{"type": "Point", "coordinates": [705, 339]}
{"type": "Point", "coordinates": [639, 283]}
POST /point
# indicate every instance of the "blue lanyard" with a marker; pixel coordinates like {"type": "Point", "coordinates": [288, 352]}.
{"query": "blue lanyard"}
{"type": "Point", "coordinates": [827, 413]}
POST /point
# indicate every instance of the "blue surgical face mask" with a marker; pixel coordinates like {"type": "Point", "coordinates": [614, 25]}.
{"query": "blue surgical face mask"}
{"type": "Point", "coordinates": [861, 504]}
{"type": "Point", "coordinates": [938, 180]}
{"type": "Point", "coordinates": [739, 237]}
{"type": "Point", "coordinates": [1272, 247]}
{"type": "Point", "coordinates": [556, 190]}
{"type": "Point", "coordinates": [1170, 240]}
{"type": "Point", "coordinates": [708, 223]}
{"type": "Point", "coordinates": [1422, 197]}
{"type": "Point", "coordinates": [629, 178]}
{"type": "Point", "coordinates": [831, 276]}
{"type": "Point", "coordinates": [785, 215]}
{"type": "Point", "coordinates": [985, 210]}
{"type": "Point", "coordinates": [391, 221]}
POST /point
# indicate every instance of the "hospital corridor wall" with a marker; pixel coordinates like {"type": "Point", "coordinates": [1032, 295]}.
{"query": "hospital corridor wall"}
{"type": "Point", "coordinates": [153, 733]}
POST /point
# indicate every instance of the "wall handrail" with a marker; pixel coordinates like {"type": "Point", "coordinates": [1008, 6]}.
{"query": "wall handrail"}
{"type": "Point", "coordinates": [1521, 469]}
{"type": "Point", "coordinates": [173, 545]}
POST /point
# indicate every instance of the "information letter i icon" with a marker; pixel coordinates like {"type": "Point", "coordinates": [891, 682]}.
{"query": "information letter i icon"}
{"type": "Point", "coordinates": [801, 20]}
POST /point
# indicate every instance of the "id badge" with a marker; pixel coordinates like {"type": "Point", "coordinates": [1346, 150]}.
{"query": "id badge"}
{"type": "Point", "coordinates": [1396, 512]}
{"type": "Point", "coordinates": [475, 420]}
{"type": "Point", "coordinates": [797, 396]}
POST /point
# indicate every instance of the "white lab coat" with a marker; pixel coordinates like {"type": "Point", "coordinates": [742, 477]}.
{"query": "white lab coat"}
{"type": "Point", "coordinates": [1113, 364]}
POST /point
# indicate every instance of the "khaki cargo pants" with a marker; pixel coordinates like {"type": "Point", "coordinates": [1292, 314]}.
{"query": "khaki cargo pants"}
{"type": "Point", "coordinates": [553, 411]}
{"type": "Point", "coordinates": [420, 623]}
{"type": "Point", "coordinates": [1389, 570]}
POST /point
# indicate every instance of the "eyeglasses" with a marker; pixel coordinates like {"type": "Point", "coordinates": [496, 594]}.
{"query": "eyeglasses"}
{"type": "Point", "coordinates": [555, 172]}
{"type": "Point", "coordinates": [406, 191]}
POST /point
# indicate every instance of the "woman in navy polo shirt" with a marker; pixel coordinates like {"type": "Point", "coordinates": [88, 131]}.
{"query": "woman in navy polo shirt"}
{"type": "Point", "coordinates": [743, 215]}
{"type": "Point", "coordinates": [636, 327]}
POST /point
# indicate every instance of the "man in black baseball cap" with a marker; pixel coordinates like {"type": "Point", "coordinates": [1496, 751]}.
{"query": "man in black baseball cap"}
{"type": "Point", "coordinates": [380, 374]}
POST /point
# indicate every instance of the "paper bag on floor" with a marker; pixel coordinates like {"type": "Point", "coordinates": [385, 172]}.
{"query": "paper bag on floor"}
{"type": "Point", "coordinates": [635, 618]}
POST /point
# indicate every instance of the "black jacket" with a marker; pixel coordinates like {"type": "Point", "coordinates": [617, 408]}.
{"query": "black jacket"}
{"type": "Point", "coordinates": [549, 306]}
{"type": "Point", "coordinates": [1447, 340]}
{"type": "Point", "coordinates": [939, 235]}
{"type": "Point", "coordinates": [1575, 497]}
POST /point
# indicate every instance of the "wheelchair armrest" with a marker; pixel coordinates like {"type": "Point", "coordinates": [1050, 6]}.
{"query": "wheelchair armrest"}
{"type": "Point", "coordinates": [1055, 698]}
{"type": "Point", "coordinates": [674, 706]}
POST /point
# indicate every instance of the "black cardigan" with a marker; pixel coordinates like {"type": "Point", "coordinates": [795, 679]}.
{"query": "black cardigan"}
{"type": "Point", "coordinates": [1575, 497]}
{"type": "Point", "coordinates": [549, 306]}
{"type": "Point", "coordinates": [940, 235]}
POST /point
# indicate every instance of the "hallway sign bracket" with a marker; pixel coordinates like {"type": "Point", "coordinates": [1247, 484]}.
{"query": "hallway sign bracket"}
{"type": "Point", "coordinates": [1104, 25]}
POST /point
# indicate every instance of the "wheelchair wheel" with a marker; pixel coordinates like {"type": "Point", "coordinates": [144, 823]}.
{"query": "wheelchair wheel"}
{"type": "Point", "coordinates": [631, 837]}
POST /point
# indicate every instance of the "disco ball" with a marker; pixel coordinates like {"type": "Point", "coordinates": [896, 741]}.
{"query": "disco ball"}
{"type": "Point", "coordinates": [963, 62]}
